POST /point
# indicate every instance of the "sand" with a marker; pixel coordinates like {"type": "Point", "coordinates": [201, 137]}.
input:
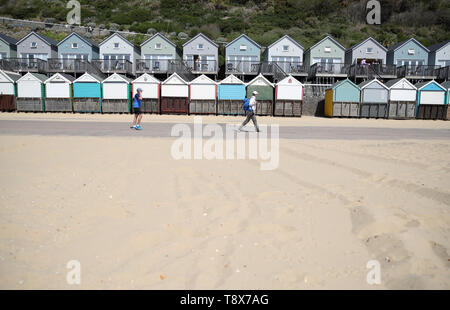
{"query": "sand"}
{"type": "Point", "coordinates": [137, 219]}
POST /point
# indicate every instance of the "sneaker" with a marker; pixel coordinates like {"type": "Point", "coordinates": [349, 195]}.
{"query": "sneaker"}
{"type": "Point", "coordinates": [138, 127]}
{"type": "Point", "coordinates": [133, 127]}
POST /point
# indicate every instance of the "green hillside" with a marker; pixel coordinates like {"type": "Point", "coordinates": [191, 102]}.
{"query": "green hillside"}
{"type": "Point", "coordinates": [264, 21]}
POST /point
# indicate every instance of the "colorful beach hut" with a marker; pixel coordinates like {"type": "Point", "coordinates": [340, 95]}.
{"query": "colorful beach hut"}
{"type": "Point", "coordinates": [116, 94]}
{"type": "Point", "coordinates": [31, 92]}
{"type": "Point", "coordinates": [402, 99]}
{"type": "Point", "coordinates": [343, 99]}
{"type": "Point", "coordinates": [87, 93]}
{"type": "Point", "coordinates": [431, 100]}
{"type": "Point", "coordinates": [175, 95]}
{"type": "Point", "coordinates": [231, 93]}
{"type": "Point", "coordinates": [265, 89]}
{"type": "Point", "coordinates": [202, 95]}
{"type": "Point", "coordinates": [374, 99]}
{"type": "Point", "coordinates": [151, 87]}
{"type": "Point", "coordinates": [446, 85]}
{"type": "Point", "coordinates": [59, 93]}
{"type": "Point", "coordinates": [288, 97]}
{"type": "Point", "coordinates": [8, 90]}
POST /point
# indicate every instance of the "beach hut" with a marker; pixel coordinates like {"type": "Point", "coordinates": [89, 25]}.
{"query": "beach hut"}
{"type": "Point", "coordinates": [242, 56]}
{"type": "Point", "coordinates": [75, 46]}
{"type": "Point", "coordinates": [37, 46]}
{"type": "Point", "coordinates": [151, 87]}
{"type": "Point", "coordinates": [343, 99]}
{"type": "Point", "coordinates": [118, 55]}
{"type": "Point", "coordinates": [8, 47]}
{"type": "Point", "coordinates": [265, 89]}
{"type": "Point", "coordinates": [116, 96]}
{"type": "Point", "coordinates": [175, 95]}
{"type": "Point", "coordinates": [402, 99]}
{"type": "Point", "coordinates": [326, 51]}
{"type": "Point", "coordinates": [286, 53]}
{"type": "Point", "coordinates": [59, 93]}
{"type": "Point", "coordinates": [231, 93]}
{"type": "Point", "coordinates": [446, 86]}
{"type": "Point", "coordinates": [201, 54]}
{"type": "Point", "coordinates": [439, 54]}
{"type": "Point", "coordinates": [157, 51]}
{"type": "Point", "coordinates": [374, 99]}
{"type": "Point", "coordinates": [288, 97]}
{"type": "Point", "coordinates": [408, 53]}
{"type": "Point", "coordinates": [431, 100]}
{"type": "Point", "coordinates": [8, 90]}
{"type": "Point", "coordinates": [202, 95]}
{"type": "Point", "coordinates": [369, 50]}
{"type": "Point", "coordinates": [31, 92]}
{"type": "Point", "coordinates": [87, 93]}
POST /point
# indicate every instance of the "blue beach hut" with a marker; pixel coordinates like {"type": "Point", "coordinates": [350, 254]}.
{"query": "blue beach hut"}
{"type": "Point", "coordinates": [431, 98]}
{"type": "Point", "coordinates": [231, 92]}
{"type": "Point", "coordinates": [87, 93]}
{"type": "Point", "coordinates": [343, 99]}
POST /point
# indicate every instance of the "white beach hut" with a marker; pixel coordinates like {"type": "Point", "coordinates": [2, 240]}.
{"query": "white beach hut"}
{"type": "Point", "coordinates": [202, 95]}
{"type": "Point", "coordinates": [151, 87]}
{"type": "Point", "coordinates": [288, 97]}
{"type": "Point", "coordinates": [116, 94]}
{"type": "Point", "coordinates": [59, 93]}
{"type": "Point", "coordinates": [31, 92]}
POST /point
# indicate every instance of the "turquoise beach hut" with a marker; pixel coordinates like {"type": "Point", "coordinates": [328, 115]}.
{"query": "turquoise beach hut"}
{"type": "Point", "coordinates": [343, 99]}
{"type": "Point", "coordinates": [231, 93]}
{"type": "Point", "coordinates": [87, 94]}
{"type": "Point", "coordinates": [446, 85]}
{"type": "Point", "coordinates": [431, 100]}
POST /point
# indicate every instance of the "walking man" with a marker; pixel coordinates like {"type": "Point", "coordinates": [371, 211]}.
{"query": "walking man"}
{"type": "Point", "coordinates": [250, 112]}
{"type": "Point", "coordinates": [137, 110]}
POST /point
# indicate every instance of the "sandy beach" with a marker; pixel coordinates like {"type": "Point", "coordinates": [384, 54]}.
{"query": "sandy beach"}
{"type": "Point", "coordinates": [135, 218]}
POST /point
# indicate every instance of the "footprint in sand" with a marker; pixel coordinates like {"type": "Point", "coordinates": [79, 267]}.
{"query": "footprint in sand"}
{"type": "Point", "coordinates": [441, 252]}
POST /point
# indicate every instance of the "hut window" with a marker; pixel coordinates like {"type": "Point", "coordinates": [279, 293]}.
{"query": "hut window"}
{"type": "Point", "coordinates": [285, 48]}
{"type": "Point", "coordinates": [116, 45]}
{"type": "Point", "coordinates": [369, 50]}
{"type": "Point", "coordinates": [157, 46]}
{"type": "Point", "coordinates": [243, 47]}
{"type": "Point", "coordinates": [200, 46]}
{"type": "Point", "coordinates": [74, 45]}
{"type": "Point", "coordinates": [327, 49]}
{"type": "Point", "coordinates": [411, 52]}
{"type": "Point", "coordinates": [33, 45]}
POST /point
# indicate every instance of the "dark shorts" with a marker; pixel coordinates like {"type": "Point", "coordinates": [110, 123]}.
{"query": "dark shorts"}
{"type": "Point", "coordinates": [137, 111]}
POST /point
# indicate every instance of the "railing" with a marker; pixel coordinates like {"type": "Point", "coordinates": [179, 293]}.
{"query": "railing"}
{"type": "Point", "coordinates": [419, 71]}
{"type": "Point", "coordinates": [180, 67]}
{"type": "Point", "coordinates": [72, 66]}
{"type": "Point", "coordinates": [443, 73]}
{"type": "Point", "coordinates": [67, 65]}
{"type": "Point", "coordinates": [243, 67]}
{"type": "Point", "coordinates": [294, 68]}
{"type": "Point", "coordinates": [113, 65]}
{"type": "Point", "coordinates": [385, 70]}
{"type": "Point", "coordinates": [372, 70]}
{"type": "Point", "coordinates": [202, 66]}
{"type": "Point", "coordinates": [152, 65]}
{"type": "Point", "coordinates": [24, 64]}
{"type": "Point", "coordinates": [335, 69]}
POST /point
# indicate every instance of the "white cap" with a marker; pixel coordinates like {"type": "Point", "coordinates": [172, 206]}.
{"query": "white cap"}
{"type": "Point", "coordinates": [255, 92]}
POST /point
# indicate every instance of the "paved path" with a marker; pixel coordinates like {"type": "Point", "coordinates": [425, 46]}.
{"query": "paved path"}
{"type": "Point", "coordinates": [154, 129]}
